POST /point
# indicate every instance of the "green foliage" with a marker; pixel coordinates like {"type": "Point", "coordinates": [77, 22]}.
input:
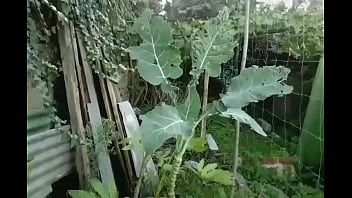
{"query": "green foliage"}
{"type": "Point", "coordinates": [270, 191]}
{"type": "Point", "coordinates": [98, 191]}
{"type": "Point", "coordinates": [243, 117]}
{"type": "Point", "coordinates": [215, 45]}
{"type": "Point", "coordinates": [160, 124]}
{"type": "Point", "coordinates": [189, 185]}
{"type": "Point", "coordinates": [308, 192]}
{"type": "Point", "coordinates": [102, 25]}
{"type": "Point", "coordinates": [106, 136]}
{"type": "Point", "coordinates": [42, 56]}
{"type": "Point", "coordinates": [252, 149]}
{"type": "Point", "coordinates": [298, 33]}
{"type": "Point", "coordinates": [189, 110]}
{"type": "Point", "coordinates": [210, 173]}
{"type": "Point", "coordinates": [254, 84]}
{"type": "Point", "coordinates": [133, 143]}
{"type": "Point", "coordinates": [162, 157]}
{"type": "Point", "coordinates": [197, 145]}
{"type": "Point", "coordinates": [157, 59]}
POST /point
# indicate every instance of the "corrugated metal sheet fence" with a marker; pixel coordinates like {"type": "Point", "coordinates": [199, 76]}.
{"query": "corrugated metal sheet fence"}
{"type": "Point", "coordinates": [53, 159]}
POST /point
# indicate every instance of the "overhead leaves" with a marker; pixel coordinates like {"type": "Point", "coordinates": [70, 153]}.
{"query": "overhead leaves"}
{"type": "Point", "coordinates": [157, 59]}
{"type": "Point", "coordinates": [160, 124]}
{"type": "Point", "coordinates": [254, 84]}
{"type": "Point", "coordinates": [215, 46]}
{"type": "Point", "coordinates": [243, 117]}
{"type": "Point", "coordinates": [189, 110]}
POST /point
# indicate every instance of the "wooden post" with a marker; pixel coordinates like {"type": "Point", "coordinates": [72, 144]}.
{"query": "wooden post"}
{"type": "Point", "coordinates": [203, 130]}
{"type": "Point", "coordinates": [243, 64]}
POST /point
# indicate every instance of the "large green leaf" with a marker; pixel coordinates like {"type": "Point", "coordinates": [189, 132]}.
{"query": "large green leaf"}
{"type": "Point", "coordinates": [254, 84]}
{"type": "Point", "coordinates": [189, 110]}
{"type": "Point", "coordinates": [243, 117]}
{"type": "Point", "coordinates": [157, 59]}
{"type": "Point", "coordinates": [215, 46]}
{"type": "Point", "coordinates": [160, 124]}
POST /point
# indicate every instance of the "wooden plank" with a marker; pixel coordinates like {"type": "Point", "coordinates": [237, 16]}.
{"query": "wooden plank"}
{"type": "Point", "coordinates": [131, 127]}
{"type": "Point", "coordinates": [104, 162]}
{"type": "Point", "coordinates": [125, 160]}
{"type": "Point", "coordinates": [108, 105]}
{"type": "Point", "coordinates": [73, 99]}
{"type": "Point", "coordinates": [104, 92]}
{"type": "Point", "coordinates": [81, 79]}
{"type": "Point", "coordinates": [115, 99]}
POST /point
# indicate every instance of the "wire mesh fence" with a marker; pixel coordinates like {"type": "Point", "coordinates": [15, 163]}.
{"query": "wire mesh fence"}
{"type": "Point", "coordinates": [277, 40]}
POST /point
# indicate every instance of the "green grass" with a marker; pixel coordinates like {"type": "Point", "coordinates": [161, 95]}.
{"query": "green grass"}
{"type": "Point", "coordinates": [252, 148]}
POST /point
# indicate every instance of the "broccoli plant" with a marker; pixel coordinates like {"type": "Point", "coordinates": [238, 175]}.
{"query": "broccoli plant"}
{"type": "Point", "coordinates": [158, 61]}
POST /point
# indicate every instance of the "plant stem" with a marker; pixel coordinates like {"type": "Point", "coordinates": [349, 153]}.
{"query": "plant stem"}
{"type": "Point", "coordinates": [204, 105]}
{"type": "Point", "coordinates": [139, 182]}
{"type": "Point", "coordinates": [245, 42]}
{"type": "Point", "coordinates": [235, 162]}
{"type": "Point", "coordinates": [176, 165]}
{"type": "Point", "coordinates": [175, 169]}
{"type": "Point", "coordinates": [159, 187]}
{"type": "Point", "coordinates": [243, 64]}
{"type": "Point", "coordinates": [178, 158]}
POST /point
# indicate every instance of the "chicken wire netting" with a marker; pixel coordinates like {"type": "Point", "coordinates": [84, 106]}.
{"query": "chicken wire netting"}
{"type": "Point", "coordinates": [292, 38]}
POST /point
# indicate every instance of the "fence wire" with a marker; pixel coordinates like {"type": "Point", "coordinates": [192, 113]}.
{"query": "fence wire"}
{"type": "Point", "coordinates": [286, 114]}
